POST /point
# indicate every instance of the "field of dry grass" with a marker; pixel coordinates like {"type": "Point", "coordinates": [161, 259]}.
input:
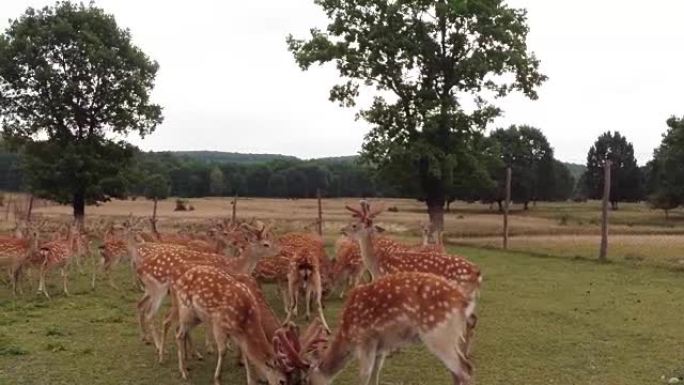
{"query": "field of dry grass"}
{"type": "Point", "coordinates": [639, 235]}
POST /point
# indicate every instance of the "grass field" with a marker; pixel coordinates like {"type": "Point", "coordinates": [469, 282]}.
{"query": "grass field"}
{"type": "Point", "coordinates": [542, 321]}
{"type": "Point", "coordinates": [549, 314]}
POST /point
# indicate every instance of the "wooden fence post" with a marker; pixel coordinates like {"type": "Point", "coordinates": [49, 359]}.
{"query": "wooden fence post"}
{"type": "Point", "coordinates": [320, 212]}
{"type": "Point", "coordinates": [30, 208]}
{"type": "Point", "coordinates": [603, 252]}
{"type": "Point", "coordinates": [233, 217]}
{"type": "Point", "coordinates": [507, 204]}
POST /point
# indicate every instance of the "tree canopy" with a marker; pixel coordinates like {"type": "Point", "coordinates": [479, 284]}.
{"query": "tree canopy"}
{"type": "Point", "coordinates": [433, 68]}
{"type": "Point", "coordinates": [626, 179]}
{"type": "Point", "coordinates": [71, 84]}
{"type": "Point", "coordinates": [666, 177]}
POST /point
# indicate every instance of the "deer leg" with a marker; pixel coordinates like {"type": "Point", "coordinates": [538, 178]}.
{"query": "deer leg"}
{"type": "Point", "coordinates": [96, 266]}
{"type": "Point", "coordinates": [65, 278]}
{"type": "Point", "coordinates": [143, 304]}
{"type": "Point", "coordinates": [366, 355]}
{"type": "Point", "coordinates": [379, 361]}
{"type": "Point", "coordinates": [319, 292]}
{"type": "Point", "coordinates": [221, 341]}
{"type": "Point", "coordinates": [209, 340]}
{"type": "Point", "coordinates": [168, 320]}
{"type": "Point", "coordinates": [285, 294]}
{"type": "Point", "coordinates": [440, 343]}
{"type": "Point", "coordinates": [41, 281]}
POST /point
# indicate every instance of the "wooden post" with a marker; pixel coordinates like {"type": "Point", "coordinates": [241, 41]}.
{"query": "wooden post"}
{"type": "Point", "coordinates": [233, 217]}
{"type": "Point", "coordinates": [603, 252]}
{"type": "Point", "coordinates": [30, 208]}
{"type": "Point", "coordinates": [154, 216]}
{"type": "Point", "coordinates": [506, 207]}
{"type": "Point", "coordinates": [9, 205]}
{"type": "Point", "coordinates": [319, 223]}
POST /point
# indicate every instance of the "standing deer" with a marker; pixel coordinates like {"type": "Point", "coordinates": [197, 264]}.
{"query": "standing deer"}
{"type": "Point", "coordinates": [16, 252]}
{"type": "Point", "coordinates": [387, 257]}
{"type": "Point", "coordinates": [394, 311]}
{"type": "Point", "coordinates": [57, 254]}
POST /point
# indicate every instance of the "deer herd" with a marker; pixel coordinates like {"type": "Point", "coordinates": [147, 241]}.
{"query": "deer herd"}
{"type": "Point", "coordinates": [414, 294]}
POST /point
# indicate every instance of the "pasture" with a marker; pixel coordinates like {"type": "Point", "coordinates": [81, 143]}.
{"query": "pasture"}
{"type": "Point", "coordinates": [548, 313]}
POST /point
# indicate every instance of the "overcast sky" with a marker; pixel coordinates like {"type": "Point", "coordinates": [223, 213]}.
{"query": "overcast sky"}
{"type": "Point", "coordinates": [228, 83]}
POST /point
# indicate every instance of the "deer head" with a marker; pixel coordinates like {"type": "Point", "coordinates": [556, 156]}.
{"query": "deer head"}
{"type": "Point", "coordinates": [363, 220]}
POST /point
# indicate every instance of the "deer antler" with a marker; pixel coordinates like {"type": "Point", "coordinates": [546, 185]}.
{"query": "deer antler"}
{"type": "Point", "coordinates": [288, 350]}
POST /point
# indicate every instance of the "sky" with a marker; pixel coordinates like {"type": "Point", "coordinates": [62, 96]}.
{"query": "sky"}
{"type": "Point", "coordinates": [227, 82]}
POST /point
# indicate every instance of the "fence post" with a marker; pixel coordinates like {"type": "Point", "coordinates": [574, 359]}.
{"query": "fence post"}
{"type": "Point", "coordinates": [30, 208]}
{"type": "Point", "coordinates": [233, 217]}
{"type": "Point", "coordinates": [506, 207]}
{"type": "Point", "coordinates": [603, 252]}
{"type": "Point", "coordinates": [320, 212]}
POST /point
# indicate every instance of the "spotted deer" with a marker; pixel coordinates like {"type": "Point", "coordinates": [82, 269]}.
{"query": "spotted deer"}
{"type": "Point", "coordinates": [112, 250]}
{"type": "Point", "coordinates": [385, 257]}
{"type": "Point", "coordinates": [348, 269]}
{"type": "Point", "coordinates": [158, 265]}
{"type": "Point", "coordinates": [211, 296]}
{"type": "Point", "coordinates": [394, 311]}
{"type": "Point", "coordinates": [57, 254]}
{"type": "Point", "coordinates": [16, 253]}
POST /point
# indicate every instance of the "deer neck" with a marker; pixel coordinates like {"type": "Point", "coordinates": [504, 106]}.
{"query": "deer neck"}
{"type": "Point", "coordinates": [335, 358]}
{"type": "Point", "coordinates": [247, 261]}
{"type": "Point", "coordinates": [132, 248]}
{"type": "Point", "coordinates": [426, 239]}
{"type": "Point", "coordinates": [368, 255]}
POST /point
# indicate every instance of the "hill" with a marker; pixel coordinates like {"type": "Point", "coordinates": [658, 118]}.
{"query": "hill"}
{"type": "Point", "coordinates": [576, 169]}
{"type": "Point", "coordinates": [231, 157]}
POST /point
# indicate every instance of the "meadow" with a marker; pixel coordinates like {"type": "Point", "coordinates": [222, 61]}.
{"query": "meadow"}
{"type": "Point", "coordinates": [549, 314]}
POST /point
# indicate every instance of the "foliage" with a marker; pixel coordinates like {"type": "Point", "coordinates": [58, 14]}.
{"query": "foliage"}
{"type": "Point", "coordinates": [427, 61]}
{"type": "Point", "coordinates": [626, 180]}
{"type": "Point", "coordinates": [666, 174]}
{"type": "Point", "coordinates": [216, 182]}
{"type": "Point", "coordinates": [157, 187]}
{"type": "Point", "coordinates": [71, 80]}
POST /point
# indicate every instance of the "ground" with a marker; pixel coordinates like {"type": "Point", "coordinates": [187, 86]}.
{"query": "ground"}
{"type": "Point", "coordinates": [549, 314]}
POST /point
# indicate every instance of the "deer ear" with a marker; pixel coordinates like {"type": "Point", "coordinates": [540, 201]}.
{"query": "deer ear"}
{"type": "Point", "coordinates": [379, 229]}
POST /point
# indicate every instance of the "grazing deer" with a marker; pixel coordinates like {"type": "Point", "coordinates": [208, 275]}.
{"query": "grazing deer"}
{"type": "Point", "coordinates": [228, 307]}
{"type": "Point", "coordinates": [394, 311]}
{"type": "Point", "coordinates": [158, 265]}
{"type": "Point", "coordinates": [387, 257]}
{"type": "Point", "coordinates": [57, 254]}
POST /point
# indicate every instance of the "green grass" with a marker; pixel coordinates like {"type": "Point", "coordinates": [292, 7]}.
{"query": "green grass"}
{"type": "Point", "coordinates": [542, 321]}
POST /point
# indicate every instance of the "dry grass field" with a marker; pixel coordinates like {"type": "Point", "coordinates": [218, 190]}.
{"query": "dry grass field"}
{"type": "Point", "coordinates": [546, 316]}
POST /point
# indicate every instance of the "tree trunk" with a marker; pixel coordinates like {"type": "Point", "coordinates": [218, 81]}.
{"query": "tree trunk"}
{"type": "Point", "coordinates": [500, 205]}
{"type": "Point", "coordinates": [448, 208]}
{"type": "Point", "coordinates": [30, 208]}
{"type": "Point", "coordinates": [603, 250]}
{"type": "Point", "coordinates": [436, 213]}
{"type": "Point", "coordinates": [79, 206]}
{"type": "Point", "coordinates": [527, 205]}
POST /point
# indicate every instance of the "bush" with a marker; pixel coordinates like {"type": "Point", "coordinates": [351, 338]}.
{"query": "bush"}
{"type": "Point", "coordinates": [393, 209]}
{"type": "Point", "coordinates": [181, 205]}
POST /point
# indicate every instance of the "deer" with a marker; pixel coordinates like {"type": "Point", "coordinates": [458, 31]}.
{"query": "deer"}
{"type": "Point", "coordinates": [208, 294]}
{"type": "Point", "coordinates": [387, 257]}
{"type": "Point", "coordinates": [112, 250]}
{"type": "Point", "coordinates": [157, 265]}
{"type": "Point", "coordinates": [57, 254]}
{"type": "Point", "coordinates": [16, 252]}
{"type": "Point", "coordinates": [394, 311]}
{"type": "Point", "coordinates": [304, 274]}
{"type": "Point", "coordinates": [348, 269]}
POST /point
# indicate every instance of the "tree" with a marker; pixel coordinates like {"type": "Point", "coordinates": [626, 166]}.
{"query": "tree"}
{"type": "Point", "coordinates": [71, 80]}
{"type": "Point", "coordinates": [527, 151]}
{"type": "Point", "coordinates": [156, 187]}
{"type": "Point", "coordinates": [277, 185]}
{"type": "Point", "coordinates": [426, 60]}
{"type": "Point", "coordinates": [626, 181]}
{"type": "Point", "coordinates": [666, 176]}
{"type": "Point", "coordinates": [216, 182]}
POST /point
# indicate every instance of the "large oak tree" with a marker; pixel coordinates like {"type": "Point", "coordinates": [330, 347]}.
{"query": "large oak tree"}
{"type": "Point", "coordinates": [434, 68]}
{"type": "Point", "coordinates": [72, 85]}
